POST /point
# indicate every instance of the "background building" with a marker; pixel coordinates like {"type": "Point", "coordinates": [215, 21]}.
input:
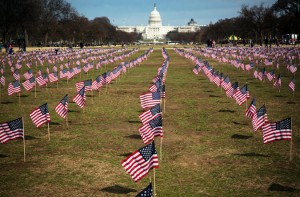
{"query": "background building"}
{"type": "Point", "coordinates": [155, 29]}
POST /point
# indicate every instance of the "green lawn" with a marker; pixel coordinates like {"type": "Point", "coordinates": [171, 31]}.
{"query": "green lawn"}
{"type": "Point", "coordinates": [209, 148]}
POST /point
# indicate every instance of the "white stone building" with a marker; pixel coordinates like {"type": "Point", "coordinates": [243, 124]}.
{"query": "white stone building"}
{"type": "Point", "coordinates": [155, 29]}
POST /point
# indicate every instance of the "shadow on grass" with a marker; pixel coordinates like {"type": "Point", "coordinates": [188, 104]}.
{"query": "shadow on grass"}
{"type": "Point", "coordinates": [25, 95]}
{"type": "Point", "coordinates": [134, 136]}
{"type": "Point", "coordinates": [243, 137]}
{"type": "Point", "coordinates": [226, 110]}
{"type": "Point", "coordinates": [237, 123]}
{"type": "Point", "coordinates": [251, 155]}
{"type": "Point", "coordinates": [72, 111]}
{"type": "Point", "coordinates": [214, 96]}
{"type": "Point", "coordinates": [117, 189]}
{"type": "Point", "coordinates": [209, 91]}
{"type": "Point", "coordinates": [7, 102]}
{"type": "Point", "coordinates": [90, 96]}
{"type": "Point", "coordinates": [3, 156]}
{"type": "Point", "coordinates": [28, 137]}
{"type": "Point", "coordinates": [291, 102]}
{"type": "Point", "coordinates": [281, 188]}
{"type": "Point", "coordinates": [54, 123]}
{"type": "Point", "coordinates": [125, 154]}
{"type": "Point", "coordinates": [134, 121]}
{"type": "Point", "coordinates": [280, 96]}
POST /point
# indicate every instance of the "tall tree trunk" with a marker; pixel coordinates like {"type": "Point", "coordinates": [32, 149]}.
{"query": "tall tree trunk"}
{"type": "Point", "coordinates": [46, 39]}
{"type": "Point", "coordinates": [26, 37]}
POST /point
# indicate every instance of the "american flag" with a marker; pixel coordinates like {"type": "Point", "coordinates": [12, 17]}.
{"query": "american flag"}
{"type": "Point", "coordinates": [271, 75]}
{"type": "Point", "coordinates": [156, 78]}
{"type": "Point", "coordinates": [147, 192]}
{"type": "Point", "coordinates": [293, 68]}
{"type": "Point", "coordinates": [62, 107]}
{"type": "Point", "coordinates": [150, 99]}
{"type": "Point", "coordinates": [42, 80]}
{"type": "Point", "coordinates": [70, 73]}
{"type": "Point", "coordinates": [150, 114]}
{"type": "Point", "coordinates": [16, 75]}
{"type": "Point", "coordinates": [196, 69]}
{"type": "Point", "coordinates": [251, 109]}
{"type": "Point", "coordinates": [13, 87]}
{"type": "Point", "coordinates": [226, 83]}
{"type": "Point", "coordinates": [28, 74]}
{"type": "Point", "coordinates": [11, 130]}
{"type": "Point", "coordinates": [97, 83]}
{"type": "Point", "coordinates": [108, 77]}
{"type": "Point", "coordinates": [217, 79]}
{"type": "Point", "coordinates": [232, 89]}
{"type": "Point", "coordinates": [151, 129]}
{"type": "Point", "coordinates": [87, 84]}
{"type": "Point", "coordinates": [29, 83]}
{"type": "Point", "coordinates": [140, 162]}
{"type": "Point", "coordinates": [277, 83]}
{"type": "Point", "coordinates": [2, 80]}
{"type": "Point", "coordinates": [63, 73]}
{"type": "Point", "coordinates": [255, 73]}
{"type": "Point", "coordinates": [80, 98]}
{"type": "Point", "coordinates": [162, 90]}
{"type": "Point", "coordinates": [274, 131]}
{"type": "Point", "coordinates": [241, 95]}
{"type": "Point", "coordinates": [53, 77]}
{"type": "Point", "coordinates": [155, 86]}
{"type": "Point", "coordinates": [259, 118]}
{"type": "Point", "coordinates": [77, 69]}
{"type": "Point", "coordinates": [40, 115]}
{"type": "Point", "coordinates": [292, 85]}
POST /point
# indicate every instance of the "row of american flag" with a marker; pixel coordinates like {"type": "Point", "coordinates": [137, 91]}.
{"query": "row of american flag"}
{"type": "Point", "coordinates": [13, 129]}
{"type": "Point", "coordinates": [43, 78]}
{"type": "Point", "coordinates": [272, 131]}
{"type": "Point", "coordinates": [261, 75]}
{"type": "Point", "coordinates": [238, 56]}
{"type": "Point", "coordinates": [140, 162]}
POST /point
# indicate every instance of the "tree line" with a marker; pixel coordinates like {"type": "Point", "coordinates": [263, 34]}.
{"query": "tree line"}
{"type": "Point", "coordinates": [55, 23]}
{"type": "Point", "coordinates": [256, 23]}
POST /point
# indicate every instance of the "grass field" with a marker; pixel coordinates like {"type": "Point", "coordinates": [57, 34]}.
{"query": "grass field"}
{"type": "Point", "coordinates": [209, 148]}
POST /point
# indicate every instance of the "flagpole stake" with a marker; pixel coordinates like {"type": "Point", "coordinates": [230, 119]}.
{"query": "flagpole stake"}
{"type": "Point", "coordinates": [164, 105]}
{"type": "Point", "coordinates": [92, 97]}
{"type": "Point", "coordinates": [24, 140]}
{"type": "Point", "coordinates": [161, 140]}
{"type": "Point", "coordinates": [154, 186]}
{"type": "Point", "coordinates": [67, 124]}
{"type": "Point", "coordinates": [35, 89]}
{"type": "Point", "coordinates": [48, 131]}
{"type": "Point", "coordinates": [291, 144]}
{"type": "Point", "coordinates": [19, 98]}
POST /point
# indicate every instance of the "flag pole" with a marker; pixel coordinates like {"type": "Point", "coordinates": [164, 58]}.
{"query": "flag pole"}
{"type": "Point", "coordinates": [154, 186]}
{"type": "Point", "coordinates": [35, 88]}
{"type": "Point", "coordinates": [19, 98]}
{"type": "Point", "coordinates": [92, 96]}
{"type": "Point", "coordinates": [24, 140]}
{"type": "Point", "coordinates": [161, 140]}
{"type": "Point", "coordinates": [291, 144]}
{"type": "Point", "coordinates": [48, 131]}
{"type": "Point", "coordinates": [67, 121]}
{"type": "Point", "coordinates": [164, 105]}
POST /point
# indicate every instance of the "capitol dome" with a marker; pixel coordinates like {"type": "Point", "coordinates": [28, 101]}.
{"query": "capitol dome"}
{"type": "Point", "coordinates": [154, 19]}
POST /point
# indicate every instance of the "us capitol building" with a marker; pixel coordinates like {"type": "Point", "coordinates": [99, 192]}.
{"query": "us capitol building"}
{"type": "Point", "coordinates": [155, 29]}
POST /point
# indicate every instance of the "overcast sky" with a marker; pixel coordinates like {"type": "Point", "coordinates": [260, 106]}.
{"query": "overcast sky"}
{"type": "Point", "coordinates": [172, 12]}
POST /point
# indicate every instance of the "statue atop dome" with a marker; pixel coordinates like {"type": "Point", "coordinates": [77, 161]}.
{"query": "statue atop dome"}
{"type": "Point", "coordinates": [155, 19]}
